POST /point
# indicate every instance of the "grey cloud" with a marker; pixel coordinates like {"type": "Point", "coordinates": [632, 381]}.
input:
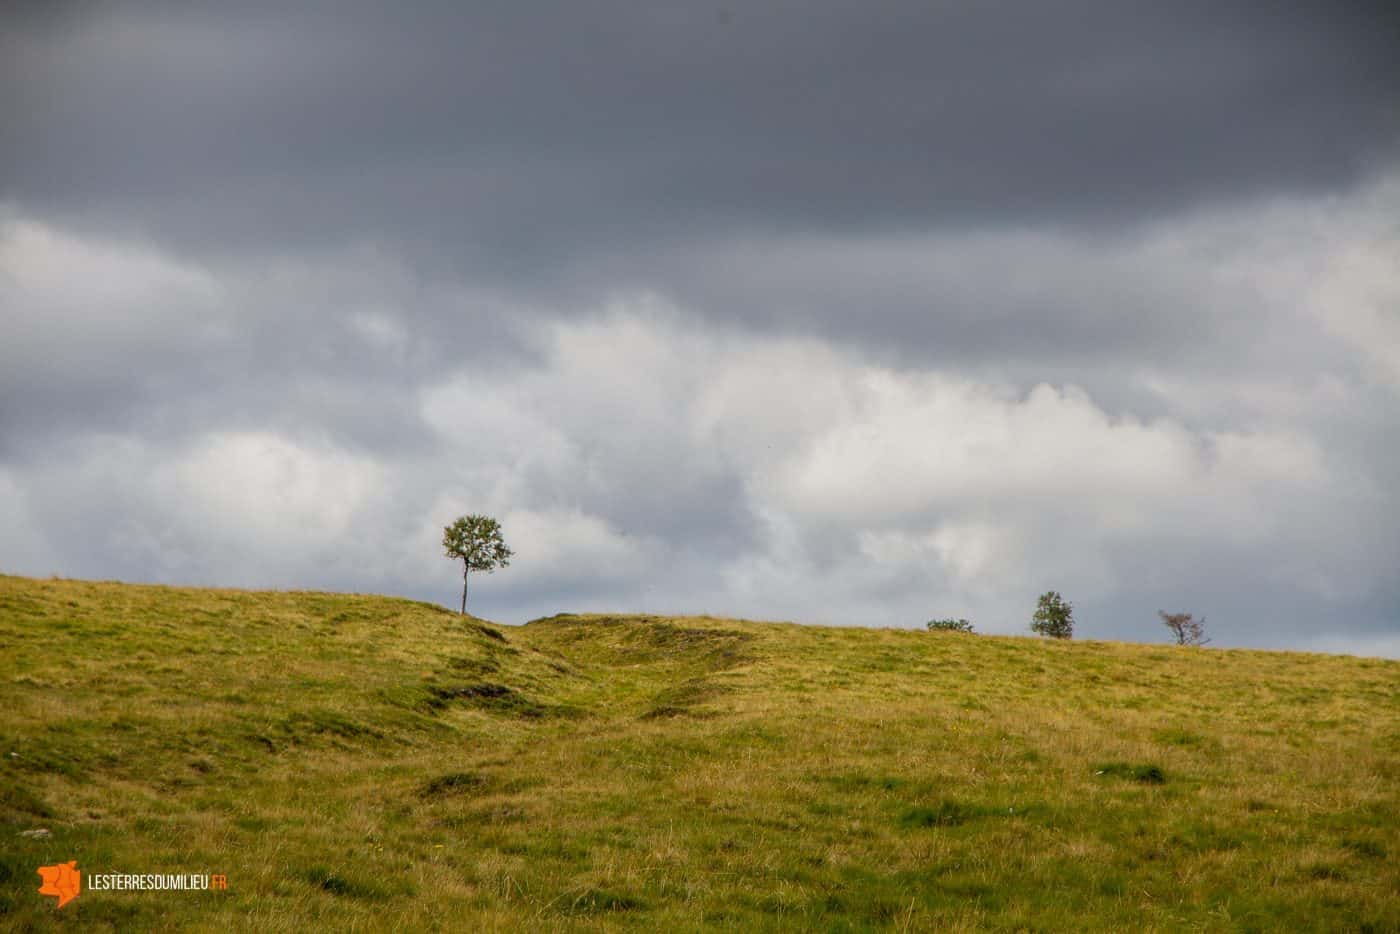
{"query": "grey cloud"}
{"type": "Point", "coordinates": [1275, 549]}
{"type": "Point", "coordinates": [119, 337]}
{"type": "Point", "coordinates": [307, 280]}
{"type": "Point", "coordinates": [513, 139]}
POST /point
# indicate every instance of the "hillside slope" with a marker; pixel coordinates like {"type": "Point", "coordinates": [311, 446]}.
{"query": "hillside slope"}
{"type": "Point", "coordinates": [362, 761]}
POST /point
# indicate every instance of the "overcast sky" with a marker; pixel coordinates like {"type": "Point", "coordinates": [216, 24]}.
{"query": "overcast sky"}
{"type": "Point", "coordinates": [836, 312]}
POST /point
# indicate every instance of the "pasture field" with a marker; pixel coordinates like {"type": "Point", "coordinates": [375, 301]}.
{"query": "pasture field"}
{"type": "Point", "coordinates": [365, 763]}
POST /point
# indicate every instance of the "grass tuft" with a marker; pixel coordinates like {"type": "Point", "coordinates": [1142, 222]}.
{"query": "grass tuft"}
{"type": "Point", "coordinates": [454, 783]}
{"type": "Point", "coordinates": [344, 886]}
{"type": "Point", "coordinates": [944, 814]}
{"type": "Point", "coordinates": [599, 901]}
{"type": "Point", "coordinates": [1144, 774]}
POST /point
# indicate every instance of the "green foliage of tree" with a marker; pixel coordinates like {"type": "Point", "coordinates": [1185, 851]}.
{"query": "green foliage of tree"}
{"type": "Point", "coordinates": [1054, 616]}
{"type": "Point", "coordinates": [475, 541]}
{"type": "Point", "coordinates": [949, 625]}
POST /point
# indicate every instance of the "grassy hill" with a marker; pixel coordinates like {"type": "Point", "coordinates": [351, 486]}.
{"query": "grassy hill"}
{"type": "Point", "coordinates": [357, 762]}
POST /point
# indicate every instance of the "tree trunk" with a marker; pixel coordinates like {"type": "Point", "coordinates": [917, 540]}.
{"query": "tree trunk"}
{"type": "Point", "coordinates": [464, 588]}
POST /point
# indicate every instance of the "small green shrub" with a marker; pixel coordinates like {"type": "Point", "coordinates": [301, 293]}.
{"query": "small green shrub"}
{"type": "Point", "coordinates": [949, 625]}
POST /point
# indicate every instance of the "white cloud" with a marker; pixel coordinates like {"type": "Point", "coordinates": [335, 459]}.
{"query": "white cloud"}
{"type": "Point", "coordinates": [242, 509]}
{"type": "Point", "coordinates": [567, 547]}
{"type": "Point", "coordinates": [77, 303]}
{"type": "Point", "coordinates": [85, 277]}
{"type": "Point", "coordinates": [919, 442]}
{"type": "Point", "coordinates": [1358, 297]}
{"type": "Point", "coordinates": [975, 553]}
{"type": "Point", "coordinates": [873, 489]}
{"type": "Point", "coordinates": [646, 457]}
{"type": "Point", "coordinates": [258, 487]}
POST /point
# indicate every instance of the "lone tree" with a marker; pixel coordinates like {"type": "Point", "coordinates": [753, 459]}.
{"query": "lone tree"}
{"type": "Point", "coordinates": [1054, 616]}
{"type": "Point", "coordinates": [475, 541]}
{"type": "Point", "coordinates": [1188, 631]}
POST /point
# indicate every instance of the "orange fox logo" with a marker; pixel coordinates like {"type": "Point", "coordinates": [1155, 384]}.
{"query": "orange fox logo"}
{"type": "Point", "coordinates": [63, 880]}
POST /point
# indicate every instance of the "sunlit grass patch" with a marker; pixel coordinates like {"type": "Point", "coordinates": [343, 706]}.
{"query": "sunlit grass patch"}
{"type": "Point", "coordinates": [358, 762]}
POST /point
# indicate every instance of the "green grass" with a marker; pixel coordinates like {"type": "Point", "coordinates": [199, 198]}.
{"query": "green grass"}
{"type": "Point", "coordinates": [361, 763]}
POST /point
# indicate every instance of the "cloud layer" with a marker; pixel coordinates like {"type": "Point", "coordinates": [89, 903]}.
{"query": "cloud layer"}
{"type": "Point", "coordinates": [805, 312]}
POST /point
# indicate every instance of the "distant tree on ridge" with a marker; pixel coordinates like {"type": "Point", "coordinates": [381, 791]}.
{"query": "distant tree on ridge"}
{"type": "Point", "coordinates": [1186, 629]}
{"type": "Point", "coordinates": [1054, 616]}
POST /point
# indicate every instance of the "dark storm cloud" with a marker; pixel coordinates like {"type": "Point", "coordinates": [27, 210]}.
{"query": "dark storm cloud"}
{"type": "Point", "coordinates": [704, 151]}
{"type": "Point", "coordinates": [515, 139]}
{"type": "Point", "coordinates": [283, 286]}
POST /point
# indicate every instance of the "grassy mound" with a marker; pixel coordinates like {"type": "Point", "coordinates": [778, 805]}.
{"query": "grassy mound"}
{"type": "Point", "coordinates": [361, 761]}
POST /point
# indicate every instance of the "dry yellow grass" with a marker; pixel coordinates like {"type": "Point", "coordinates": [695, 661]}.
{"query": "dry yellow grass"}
{"type": "Point", "coordinates": [362, 763]}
